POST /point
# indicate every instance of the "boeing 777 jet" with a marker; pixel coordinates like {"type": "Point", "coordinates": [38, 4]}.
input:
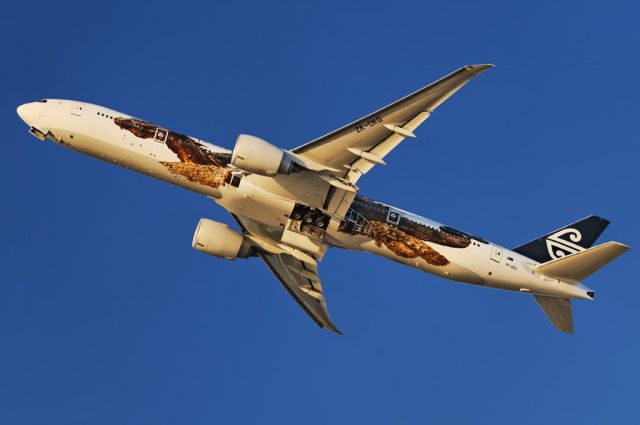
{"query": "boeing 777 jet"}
{"type": "Point", "coordinates": [291, 205]}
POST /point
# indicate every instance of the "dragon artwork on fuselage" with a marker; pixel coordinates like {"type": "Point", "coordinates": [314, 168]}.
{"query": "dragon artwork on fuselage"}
{"type": "Point", "coordinates": [197, 163]}
{"type": "Point", "coordinates": [404, 234]}
{"type": "Point", "coordinates": [293, 206]}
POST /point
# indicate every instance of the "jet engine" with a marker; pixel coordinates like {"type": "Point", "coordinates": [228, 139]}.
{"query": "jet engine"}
{"type": "Point", "coordinates": [261, 157]}
{"type": "Point", "coordinates": [219, 240]}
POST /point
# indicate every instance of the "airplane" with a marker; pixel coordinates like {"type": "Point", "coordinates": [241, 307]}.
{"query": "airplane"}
{"type": "Point", "coordinates": [292, 205]}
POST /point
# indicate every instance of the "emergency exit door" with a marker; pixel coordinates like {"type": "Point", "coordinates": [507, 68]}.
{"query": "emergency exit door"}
{"type": "Point", "coordinates": [496, 254]}
{"type": "Point", "coordinates": [76, 109]}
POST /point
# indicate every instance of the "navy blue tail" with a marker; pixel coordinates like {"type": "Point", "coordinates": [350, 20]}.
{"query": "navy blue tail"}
{"type": "Point", "coordinates": [570, 239]}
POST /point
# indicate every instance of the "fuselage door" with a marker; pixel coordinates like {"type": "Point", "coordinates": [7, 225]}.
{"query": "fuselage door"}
{"type": "Point", "coordinates": [496, 254]}
{"type": "Point", "coordinates": [76, 109]}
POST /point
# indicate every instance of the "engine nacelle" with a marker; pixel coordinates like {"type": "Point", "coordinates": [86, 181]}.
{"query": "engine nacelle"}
{"type": "Point", "coordinates": [219, 240]}
{"type": "Point", "coordinates": [261, 157]}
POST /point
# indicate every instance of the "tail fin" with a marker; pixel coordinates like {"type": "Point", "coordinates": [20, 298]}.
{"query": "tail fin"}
{"type": "Point", "coordinates": [576, 267]}
{"type": "Point", "coordinates": [570, 239]}
{"type": "Point", "coordinates": [558, 311]}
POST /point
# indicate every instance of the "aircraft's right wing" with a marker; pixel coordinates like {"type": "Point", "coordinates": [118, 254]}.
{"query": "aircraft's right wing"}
{"type": "Point", "coordinates": [298, 274]}
{"type": "Point", "coordinates": [302, 282]}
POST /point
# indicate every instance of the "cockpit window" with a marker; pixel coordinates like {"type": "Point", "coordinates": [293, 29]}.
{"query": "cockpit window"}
{"type": "Point", "coordinates": [43, 101]}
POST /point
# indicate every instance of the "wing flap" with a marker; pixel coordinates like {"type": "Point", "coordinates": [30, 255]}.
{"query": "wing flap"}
{"type": "Point", "coordinates": [361, 165]}
{"type": "Point", "coordinates": [302, 282]}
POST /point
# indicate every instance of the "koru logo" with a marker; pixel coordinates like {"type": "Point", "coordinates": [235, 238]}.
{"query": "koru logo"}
{"type": "Point", "coordinates": [393, 217]}
{"type": "Point", "coordinates": [562, 243]}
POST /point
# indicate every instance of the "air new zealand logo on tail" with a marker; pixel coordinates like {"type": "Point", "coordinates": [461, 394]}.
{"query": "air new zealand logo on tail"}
{"type": "Point", "coordinates": [563, 243]}
{"type": "Point", "coordinates": [569, 240]}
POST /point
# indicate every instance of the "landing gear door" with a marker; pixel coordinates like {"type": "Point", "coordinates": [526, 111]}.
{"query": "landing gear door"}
{"type": "Point", "coordinates": [496, 254]}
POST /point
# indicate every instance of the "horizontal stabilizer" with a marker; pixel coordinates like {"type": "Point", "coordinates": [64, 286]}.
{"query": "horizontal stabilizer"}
{"type": "Point", "coordinates": [558, 311]}
{"type": "Point", "coordinates": [576, 267]}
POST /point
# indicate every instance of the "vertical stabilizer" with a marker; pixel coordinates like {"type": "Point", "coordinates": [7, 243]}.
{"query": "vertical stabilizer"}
{"type": "Point", "coordinates": [570, 239]}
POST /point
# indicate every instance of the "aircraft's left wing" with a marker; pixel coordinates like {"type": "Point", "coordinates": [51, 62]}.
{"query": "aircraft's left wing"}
{"type": "Point", "coordinates": [297, 272]}
{"type": "Point", "coordinates": [354, 149]}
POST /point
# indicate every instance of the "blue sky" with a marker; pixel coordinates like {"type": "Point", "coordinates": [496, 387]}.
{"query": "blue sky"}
{"type": "Point", "coordinates": [107, 315]}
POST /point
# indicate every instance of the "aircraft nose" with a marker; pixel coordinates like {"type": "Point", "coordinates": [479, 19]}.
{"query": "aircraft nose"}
{"type": "Point", "coordinates": [29, 112]}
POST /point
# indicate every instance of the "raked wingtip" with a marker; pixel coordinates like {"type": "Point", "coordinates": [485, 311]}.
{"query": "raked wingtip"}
{"type": "Point", "coordinates": [480, 68]}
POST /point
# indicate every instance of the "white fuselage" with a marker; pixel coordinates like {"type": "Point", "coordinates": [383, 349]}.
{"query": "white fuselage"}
{"type": "Point", "coordinates": [90, 129]}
